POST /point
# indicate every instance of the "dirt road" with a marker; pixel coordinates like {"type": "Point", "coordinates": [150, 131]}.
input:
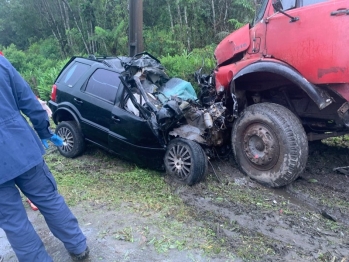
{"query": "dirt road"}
{"type": "Point", "coordinates": [306, 221]}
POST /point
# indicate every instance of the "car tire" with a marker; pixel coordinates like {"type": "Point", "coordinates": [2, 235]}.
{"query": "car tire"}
{"type": "Point", "coordinates": [185, 161]}
{"type": "Point", "coordinates": [74, 143]}
{"type": "Point", "coordinates": [270, 144]}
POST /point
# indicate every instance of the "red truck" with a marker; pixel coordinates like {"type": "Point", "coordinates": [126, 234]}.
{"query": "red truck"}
{"type": "Point", "coordinates": [285, 80]}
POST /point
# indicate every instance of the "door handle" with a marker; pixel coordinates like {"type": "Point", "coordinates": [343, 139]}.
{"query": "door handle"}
{"type": "Point", "coordinates": [116, 119]}
{"type": "Point", "coordinates": [79, 101]}
{"type": "Point", "coordinates": [340, 12]}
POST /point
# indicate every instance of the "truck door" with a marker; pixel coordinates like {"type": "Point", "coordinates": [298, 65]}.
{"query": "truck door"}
{"type": "Point", "coordinates": [258, 31]}
{"type": "Point", "coordinates": [316, 42]}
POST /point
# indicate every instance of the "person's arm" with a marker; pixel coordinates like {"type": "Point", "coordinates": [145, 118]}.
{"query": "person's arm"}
{"type": "Point", "coordinates": [29, 105]}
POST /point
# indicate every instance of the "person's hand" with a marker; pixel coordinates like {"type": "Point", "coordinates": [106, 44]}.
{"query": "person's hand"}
{"type": "Point", "coordinates": [55, 139]}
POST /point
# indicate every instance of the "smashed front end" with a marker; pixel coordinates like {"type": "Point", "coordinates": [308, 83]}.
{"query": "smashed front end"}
{"type": "Point", "coordinates": [172, 108]}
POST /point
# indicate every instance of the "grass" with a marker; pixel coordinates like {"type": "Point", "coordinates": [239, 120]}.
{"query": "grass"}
{"type": "Point", "coordinates": [339, 141]}
{"type": "Point", "coordinates": [170, 224]}
{"type": "Point", "coordinates": [99, 177]}
{"type": "Point", "coordinates": [259, 198]}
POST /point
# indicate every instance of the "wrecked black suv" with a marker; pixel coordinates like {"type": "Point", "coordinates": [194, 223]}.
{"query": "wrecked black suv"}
{"type": "Point", "coordinates": [129, 106]}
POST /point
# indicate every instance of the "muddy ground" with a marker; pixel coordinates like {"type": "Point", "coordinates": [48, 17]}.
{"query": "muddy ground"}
{"type": "Point", "coordinates": [305, 221]}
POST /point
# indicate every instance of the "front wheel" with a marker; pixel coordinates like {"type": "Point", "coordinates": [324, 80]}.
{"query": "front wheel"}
{"type": "Point", "coordinates": [185, 161]}
{"type": "Point", "coordinates": [73, 141]}
{"type": "Point", "coordinates": [270, 144]}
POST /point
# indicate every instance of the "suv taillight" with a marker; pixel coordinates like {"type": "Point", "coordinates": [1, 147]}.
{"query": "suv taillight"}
{"type": "Point", "coordinates": [54, 93]}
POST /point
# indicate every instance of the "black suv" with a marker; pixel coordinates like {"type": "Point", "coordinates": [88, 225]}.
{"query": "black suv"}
{"type": "Point", "coordinates": [129, 106]}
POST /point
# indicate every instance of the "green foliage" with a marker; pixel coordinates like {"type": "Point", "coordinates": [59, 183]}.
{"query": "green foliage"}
{"type": "Point", "coordinates": [161, 42]}
{"type": "Point", "coordinates": [39, 66]}
{"type": "Point", "coordinates": [15, 56]}
{"type": "Point", "coordinates": [113, 42]}
{"type": "Point", "coordinates": [185, 64]}
{"type": "Point", "coordinates": [49, 32]}
{"type": "Point", "coordinates": [236, 23]}
{"type": "Point", "coordinates": [77, 27]}
{"type": "Point", "coordinates": [42, 78]}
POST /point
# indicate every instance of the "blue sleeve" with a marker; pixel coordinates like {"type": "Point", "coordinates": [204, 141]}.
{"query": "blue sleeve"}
{"type": "Point", "coordinates": [29, 104]}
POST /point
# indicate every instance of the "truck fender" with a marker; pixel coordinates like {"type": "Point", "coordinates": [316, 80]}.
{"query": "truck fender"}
{"type": "Point", "coordinates": [319, 96]}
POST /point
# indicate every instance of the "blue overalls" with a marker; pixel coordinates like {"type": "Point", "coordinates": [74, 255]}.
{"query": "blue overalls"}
{"type": "Point", "coordinates": [22, 165]}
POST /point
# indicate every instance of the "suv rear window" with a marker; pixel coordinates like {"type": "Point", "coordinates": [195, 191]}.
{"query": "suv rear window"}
{"type": "Point", "coordinates": [103, 84]}
{"type": "Point", "coordinates": [72, 75]}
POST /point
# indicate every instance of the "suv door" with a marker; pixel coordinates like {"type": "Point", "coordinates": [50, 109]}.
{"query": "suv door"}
{"type": "Point", "coordinates": [316, 44]}
{"type": "Point", "coordinates": [96, 103]}
{"type": "Point", "coordinates": [131, 136]}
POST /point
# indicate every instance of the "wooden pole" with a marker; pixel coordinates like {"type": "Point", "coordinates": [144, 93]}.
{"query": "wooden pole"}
{"type": "Point", "coordinates": [135, 27]}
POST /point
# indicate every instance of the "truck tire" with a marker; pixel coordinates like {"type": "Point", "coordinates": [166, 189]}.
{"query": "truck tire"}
{"type": "Point", "coordinates": [185, 161]}
{"type": "Point", "coordinates": [270, 144]}
{"type": "Point", "coordinates": [74, 143]}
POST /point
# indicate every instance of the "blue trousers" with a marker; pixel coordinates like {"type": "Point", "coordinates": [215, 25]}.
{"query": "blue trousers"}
{"type": "Point", "coordinates": [39, 185]}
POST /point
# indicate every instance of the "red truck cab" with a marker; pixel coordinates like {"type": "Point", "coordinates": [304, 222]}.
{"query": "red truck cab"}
{"type": "Point", "coordinates": [286, 80]}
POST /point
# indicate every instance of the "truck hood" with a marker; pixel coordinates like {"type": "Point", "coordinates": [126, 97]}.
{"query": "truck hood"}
{"type": "Point", "coordinates": [233, 44]}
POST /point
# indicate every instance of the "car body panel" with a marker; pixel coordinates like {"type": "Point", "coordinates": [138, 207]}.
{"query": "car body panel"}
{"type": "Point", "coordinates": [102, 121]}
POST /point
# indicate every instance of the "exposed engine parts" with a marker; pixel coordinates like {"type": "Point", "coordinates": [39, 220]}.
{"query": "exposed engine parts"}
{"type": "Point", "coordinates": [171, 106]}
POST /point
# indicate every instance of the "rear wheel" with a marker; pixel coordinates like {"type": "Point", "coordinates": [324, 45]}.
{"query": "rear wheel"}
{"type": "Point", "coordinates": [185, 161]}
{"type": "Point", "coordinates": [270, 144]}
{"type": "Point", "coordinates": [73, 141]}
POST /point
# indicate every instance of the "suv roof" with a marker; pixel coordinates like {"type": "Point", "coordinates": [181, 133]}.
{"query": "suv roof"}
{"type": "Point", "coordinates": [111, 62]}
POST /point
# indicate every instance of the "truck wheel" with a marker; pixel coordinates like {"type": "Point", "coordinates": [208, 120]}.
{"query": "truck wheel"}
{"type": "Point", "coordinates": [270, 144]}
{"type": "Point", "coordinates": [74, 143]}
{"type": "Point", "coordinates": [185, 161]}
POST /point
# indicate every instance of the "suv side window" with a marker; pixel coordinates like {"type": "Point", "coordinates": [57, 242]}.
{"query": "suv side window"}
{"type": "Point", "coordinates": [72, 75]}
{"type": "Point", "coordinates": [103, 84]}
{"type": "Point", "coordinates": [311, 2]}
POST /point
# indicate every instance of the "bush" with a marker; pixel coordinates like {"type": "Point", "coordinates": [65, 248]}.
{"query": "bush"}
{"type": "Point", "coordinates": [42, 78]}
{"type": "Point", "coordinates": [40, 64]}
{"type": "Point", "coordinates": [16, 57]}
{"type": "Point", "coordinates": [161, 42]}
{"type": "Point", "coordinates": [184, 65]}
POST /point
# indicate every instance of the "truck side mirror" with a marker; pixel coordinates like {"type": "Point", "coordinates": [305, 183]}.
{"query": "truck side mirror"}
{"type": "Point", "coordinates": [277, 6]}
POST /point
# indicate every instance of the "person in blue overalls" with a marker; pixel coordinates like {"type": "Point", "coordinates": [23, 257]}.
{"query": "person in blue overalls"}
{"type": "Point", "coordinates": [22, 167]}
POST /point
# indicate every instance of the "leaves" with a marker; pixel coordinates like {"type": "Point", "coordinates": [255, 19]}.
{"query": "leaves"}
{"type": "Point", "coordinates": [37, 36]}
{"type": "Point", "coordinates": [101, 26]}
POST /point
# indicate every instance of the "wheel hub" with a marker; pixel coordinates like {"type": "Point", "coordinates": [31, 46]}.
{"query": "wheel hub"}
{"type": "Point", "coordinates": [261, 146]}
{"type": "Point", "coordinates": [179, 160]}
{"type": "Point", "coordinates": [68, 140]}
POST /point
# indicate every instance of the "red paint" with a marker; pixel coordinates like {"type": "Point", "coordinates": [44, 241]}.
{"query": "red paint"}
{"type": "Point", "coordinates": [233, 44]}
{"type": "Point", "coordinates": [316, 45]}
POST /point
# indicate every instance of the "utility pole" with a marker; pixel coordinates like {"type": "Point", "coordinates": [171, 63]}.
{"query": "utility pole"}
{"type": "Point", "coordinates": [135, 27]}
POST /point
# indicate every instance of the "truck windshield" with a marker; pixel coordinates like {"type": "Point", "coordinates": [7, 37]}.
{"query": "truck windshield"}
{"type": "Point", "coordinates": [260, 7]}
